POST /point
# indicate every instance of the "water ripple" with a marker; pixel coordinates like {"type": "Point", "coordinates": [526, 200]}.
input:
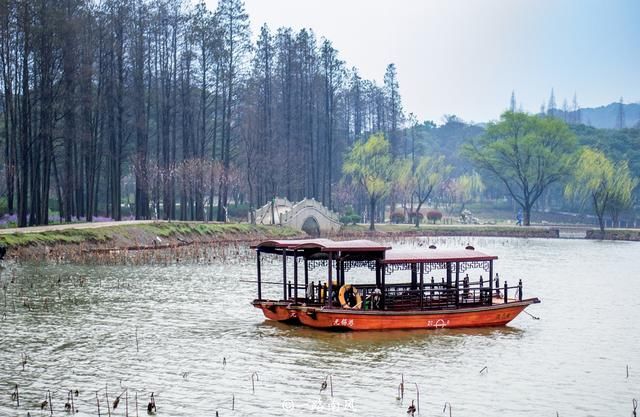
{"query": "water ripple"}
{"type": "Point", "coordinates": [168, 329]}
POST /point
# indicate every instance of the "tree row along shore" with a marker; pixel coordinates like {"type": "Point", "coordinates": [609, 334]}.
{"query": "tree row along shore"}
{"type": "Point", "coordinates": [76, 242]}
{"type": "Point", "coordinates": [118, 110]}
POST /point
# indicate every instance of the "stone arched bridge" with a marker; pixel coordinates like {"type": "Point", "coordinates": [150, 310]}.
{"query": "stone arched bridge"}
{"type": "Point", "coordinates": [308, 215]}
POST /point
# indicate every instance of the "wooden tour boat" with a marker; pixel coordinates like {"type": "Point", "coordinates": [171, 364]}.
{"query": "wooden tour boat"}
{"type": "Point", "coordinates": [422, 303]}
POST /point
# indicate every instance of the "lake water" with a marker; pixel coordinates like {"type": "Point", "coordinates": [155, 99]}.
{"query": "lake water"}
{"type": "Point", "coordinates": [199, 341]}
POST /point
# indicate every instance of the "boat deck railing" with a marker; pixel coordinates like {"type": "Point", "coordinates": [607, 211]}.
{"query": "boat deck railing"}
{"type": "Point", "coordinates": [412, 296]}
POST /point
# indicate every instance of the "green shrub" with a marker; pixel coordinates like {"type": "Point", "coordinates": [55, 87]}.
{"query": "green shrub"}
{"type": "Point", "coordinates": [397, 217]}
{"type": "Point", "coordinates": [434, 216]}
{"type": "Point", "coordinates": [240, 211]}
{"type": "Point", "coordinates": [413, 214]}
{"type": "Point", "coordinates": [350, 216]}
{"type": "Point", "coordinates": [4, 208]}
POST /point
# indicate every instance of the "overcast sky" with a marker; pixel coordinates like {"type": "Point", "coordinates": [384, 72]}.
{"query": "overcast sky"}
{"type": "Point", "coordinates": [464, 57]}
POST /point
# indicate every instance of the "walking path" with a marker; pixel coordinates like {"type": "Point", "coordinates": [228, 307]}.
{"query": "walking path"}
{"type": "Point", "coordinates": [66, 226]}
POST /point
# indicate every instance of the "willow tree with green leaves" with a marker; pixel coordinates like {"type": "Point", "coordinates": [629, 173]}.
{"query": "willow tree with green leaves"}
{"type": "Point", "coordinates": [606, 185]}
{"type": "Point", "coordinates": [369, 165]}
{"type": "Point", "coordinates": [462, 190]}
{"type": "Point", "coordinates": [427, 175]}
{"type": "Point", "coordinates": [624, 198]}
{"type": "Point", "coordinates": [526, 153]}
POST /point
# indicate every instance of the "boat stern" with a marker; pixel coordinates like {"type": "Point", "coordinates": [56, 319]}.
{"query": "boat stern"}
{"type": "Point", "coordinates": [277, 310]}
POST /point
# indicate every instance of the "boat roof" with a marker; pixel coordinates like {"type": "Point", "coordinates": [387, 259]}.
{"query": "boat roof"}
{"type": "Point", "coordinates": [398, 256]}
{"type": "Point", "coordinates": [375, 251]}
{"type": "Point", "coordinates": [323, 245]}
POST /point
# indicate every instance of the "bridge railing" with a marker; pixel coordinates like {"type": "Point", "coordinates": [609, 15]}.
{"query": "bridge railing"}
{"type": "Point", "coordinates": [312, 204]}
{"type": "Point", "coordinates": [265, 211]}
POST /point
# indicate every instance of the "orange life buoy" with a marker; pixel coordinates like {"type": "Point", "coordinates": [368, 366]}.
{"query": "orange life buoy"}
{"type": "Point", "coordinates": [344, 302]}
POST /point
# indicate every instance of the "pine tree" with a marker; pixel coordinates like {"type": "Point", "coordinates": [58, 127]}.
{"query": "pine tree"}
{"type": "Point", "coordinates": [392, 91]}
{"type": "Point", "coordinates": [551, 107]}
{"type": "Point", "coordinates": [332, 70]}
{"type": "Point", "coordinates": [234, 23]}
{"type": "Point", "coordinates": [575, 111]}
{"type": "Point", "coordinates": [356, 103]}
{"type": "Point", "coordinates": [106, 101]}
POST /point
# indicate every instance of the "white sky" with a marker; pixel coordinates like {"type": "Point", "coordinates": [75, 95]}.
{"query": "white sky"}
{"type": "Point", "coordinates": [464, 57]}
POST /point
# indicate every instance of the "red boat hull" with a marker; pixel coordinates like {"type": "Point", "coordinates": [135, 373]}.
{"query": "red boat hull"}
{"type": "Point", "coordinates": [338, 319]}
{"type": "Point", "coordinates": [277, 310]}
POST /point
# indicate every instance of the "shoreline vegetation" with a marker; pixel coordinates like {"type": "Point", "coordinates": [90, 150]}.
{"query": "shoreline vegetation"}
{"type": "Point", "coordinates": [78, 242]}
{"type": "Point", "coordinates": [84, 241]}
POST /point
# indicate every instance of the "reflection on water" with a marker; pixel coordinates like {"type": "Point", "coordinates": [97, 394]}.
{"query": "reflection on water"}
{"type": "Point", "coordinates": [375, 340]}
{"type": "Point", "coordinates": [188, 334]}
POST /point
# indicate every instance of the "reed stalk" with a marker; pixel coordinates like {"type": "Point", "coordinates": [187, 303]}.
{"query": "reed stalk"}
{"type": "Point", "coordinates": [106, 393]}
{"type": "Point", "coordinates": [253, 386]}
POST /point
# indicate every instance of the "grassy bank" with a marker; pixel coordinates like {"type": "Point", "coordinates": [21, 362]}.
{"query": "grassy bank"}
{"type": "Point", "coordinates": [118, 241]}
{"type": "Point", "coordinates": [614, 234]}
{"type": "Point", "coordinates": [143, 234]}
{"type": "Point", "coordinates": [154, 233]}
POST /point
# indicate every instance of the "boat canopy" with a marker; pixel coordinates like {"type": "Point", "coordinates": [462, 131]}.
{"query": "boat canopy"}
{"type": "Point", "coordinates": [382, 252]}
{"type": "Point", "coordinates": [342, 256]}
{"type": "Point", "coordinates": [402, 256]}
{"type": "Point", "coordinates": [288, 244]}
{"type": "Point", "coordinates": [321, 245]}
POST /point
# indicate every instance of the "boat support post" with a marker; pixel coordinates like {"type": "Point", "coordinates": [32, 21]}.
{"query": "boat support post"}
{"type": "Point", "coordinates": [457, 273]}
{"type": "Point", "coordinates": [330, 283]}
{"type": "Point", "coordinates": [259, 274]}
{"type": "Point", "coordinates": [284, 274]}
{"type": "Point", "coordinates": [295, 276]}
{"type": "Point", "coordinates": [306, 278]}
{"type": "Point", "coordinates": [414, 276]}
{"type": "Point", "coordinates": [421, 285]}
{"type": "Point", "coordinates": [490, 282]}
{"type": "Point", "coordinates": [384, 287]}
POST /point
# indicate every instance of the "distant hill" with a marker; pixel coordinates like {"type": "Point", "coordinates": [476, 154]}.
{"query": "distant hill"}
{"type": "Point", "coordinates": [605, 117]}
